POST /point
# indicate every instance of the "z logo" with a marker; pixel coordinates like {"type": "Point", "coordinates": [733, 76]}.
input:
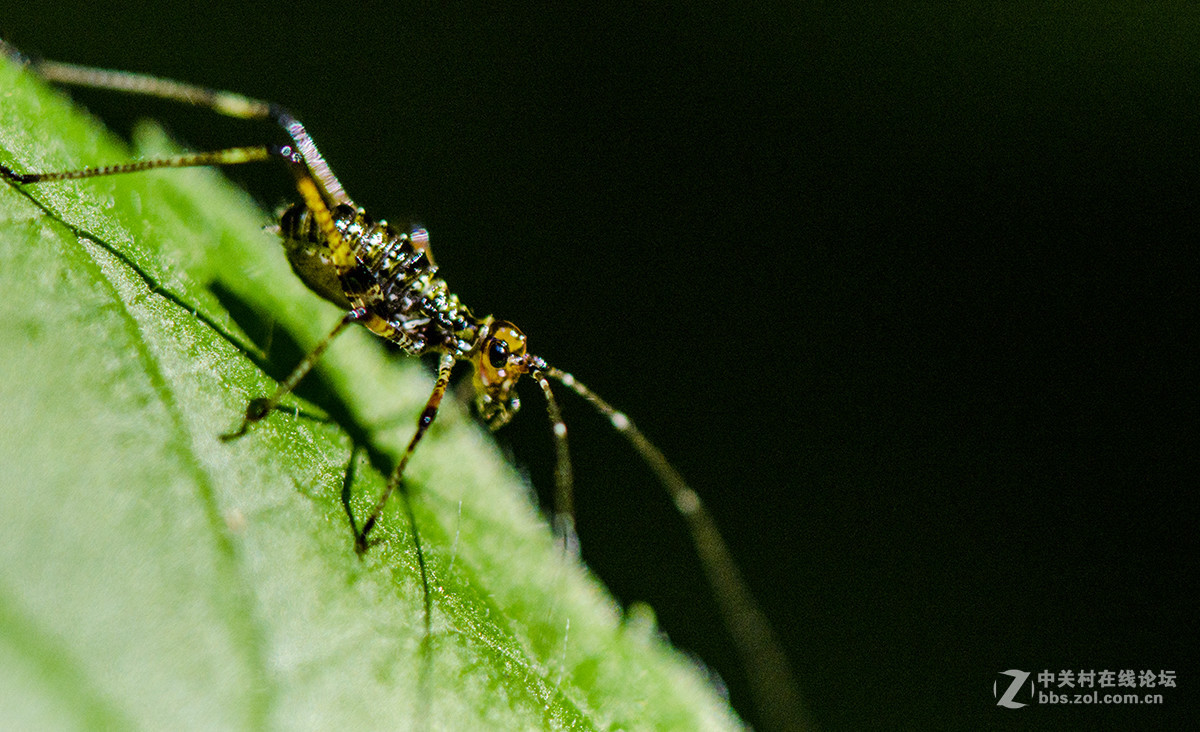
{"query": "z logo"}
{"type": "Point", "coordinates": [1018, 680]}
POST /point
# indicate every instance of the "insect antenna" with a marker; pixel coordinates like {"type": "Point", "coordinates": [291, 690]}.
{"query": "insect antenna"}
{"type": "Point", "coordinates": [772, 684]}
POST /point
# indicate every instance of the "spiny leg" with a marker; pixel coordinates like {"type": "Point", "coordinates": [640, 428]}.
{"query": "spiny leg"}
{"type": "Point", "coordinates": [222, 102]}
{"type": "Point", "coordinates": [228, 156]}
{"type": "Point", "coordinates": [315, 180]}
{"type": "Point", "coordinates": [772, 683]}
{"type": "Point", "coordinates": [428, 414]}
{"type": "Point", "coordinates": [228, 103]}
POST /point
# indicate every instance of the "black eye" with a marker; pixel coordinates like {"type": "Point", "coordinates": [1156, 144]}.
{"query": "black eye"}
{"type": "Point", "coordinates": [498, 354]}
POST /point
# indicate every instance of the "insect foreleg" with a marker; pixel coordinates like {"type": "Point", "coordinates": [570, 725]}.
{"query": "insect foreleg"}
{"type": "Point", "coordinates": [772, 682]}
{"type": "Point", "coordinates": [564, 476]}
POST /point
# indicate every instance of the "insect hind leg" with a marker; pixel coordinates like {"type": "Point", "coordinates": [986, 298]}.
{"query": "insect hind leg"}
{"type": "Point", "coordinates": [314, 180]}
{"type": "Point", "coordinates": [228, 156]}
{"type": "Point", "coordinates": [227, 103]}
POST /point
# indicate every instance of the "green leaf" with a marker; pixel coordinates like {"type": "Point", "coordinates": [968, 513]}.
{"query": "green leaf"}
{"type": "Point", "coordinates": [152, 576]}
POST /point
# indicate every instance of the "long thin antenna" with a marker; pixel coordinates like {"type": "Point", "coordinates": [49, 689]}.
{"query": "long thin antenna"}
{"type": "Point", "coordinates": [776, 694]}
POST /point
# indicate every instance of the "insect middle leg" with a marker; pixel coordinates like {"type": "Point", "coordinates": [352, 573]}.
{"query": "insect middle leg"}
{"type": "Point", "coordinates": [260, 408]}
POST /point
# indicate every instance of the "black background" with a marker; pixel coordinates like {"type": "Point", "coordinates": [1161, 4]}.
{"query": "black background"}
{"type": "Point", "coordinates": [906, 291]}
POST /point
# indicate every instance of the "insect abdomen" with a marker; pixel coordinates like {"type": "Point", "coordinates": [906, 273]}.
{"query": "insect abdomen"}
{"type": "Point", "coordinates": [394, 278]}
{"type": "Point", "coordinates": [388, 263]}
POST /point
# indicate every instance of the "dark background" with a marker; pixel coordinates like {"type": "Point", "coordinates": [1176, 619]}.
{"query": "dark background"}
{"type": "Point", "coordinates": [907, 293]}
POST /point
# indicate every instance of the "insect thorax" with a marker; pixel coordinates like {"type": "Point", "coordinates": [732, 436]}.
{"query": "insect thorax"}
{"type": "Point", "coordinates": [394, 280]}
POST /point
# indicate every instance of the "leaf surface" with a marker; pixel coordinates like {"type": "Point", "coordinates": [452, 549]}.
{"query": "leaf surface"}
{"type": "Point", "coordinates": [152, 576]}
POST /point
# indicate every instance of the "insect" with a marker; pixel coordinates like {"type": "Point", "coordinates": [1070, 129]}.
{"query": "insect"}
{"type": "Point", "coordinates": [384, 277]}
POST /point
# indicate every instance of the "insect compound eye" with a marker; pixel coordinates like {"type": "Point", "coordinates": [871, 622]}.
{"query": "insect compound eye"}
{"type": "Point", "coordinates": [498, 353]}
{"type": "Point", "coordinates": [506, 341]}
{"type": "Point", "coordinates": [501, 359]}
{"type": "Point", "coordinates": [501, 364]}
